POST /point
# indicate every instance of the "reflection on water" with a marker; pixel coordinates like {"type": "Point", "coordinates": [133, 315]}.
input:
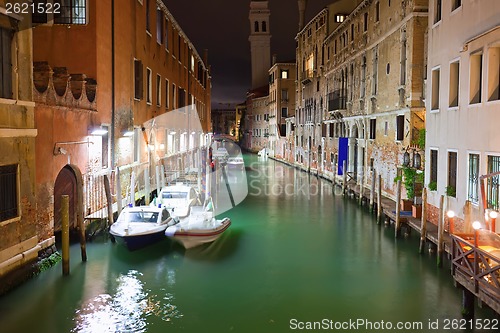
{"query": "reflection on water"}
{"type": "Point", "coordinates": [127, 309]}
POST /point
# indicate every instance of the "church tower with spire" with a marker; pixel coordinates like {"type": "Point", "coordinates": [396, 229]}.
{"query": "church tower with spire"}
{"type": "Point", "coordinates": [260, 42]}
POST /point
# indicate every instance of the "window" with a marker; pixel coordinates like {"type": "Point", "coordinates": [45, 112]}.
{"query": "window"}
{"type": "Point", "coordinates": [8, 192]}
{"type": "Point", "coordinates": [284, 112]}
{"type": "Point", "coordinates": [256, 26]}
{"type": "Point", "coordinates": [437, 11]}
{"type": "Point", "coordinates": [283, 129]}
{"type": "Point", "coordinates": [159, 25]}
{"type": "Point", "coordinates": [377, 12]}
{"type": "Point", "coordinates": [72, 12]}
{"type": "Point", "coordinates": [264, 27]}
{"type": "Point", "coordinates": [5, 63]}
{"type": "Point", "coordinates": [375, 71]}
{"type": "Point", "coordinates": [284, 95]}
{"type": "Point", "coordinates": [475, 78]}
{"type": "Point", "coordinates": [455, 4]}
{"type": "Point", "coordinates": [373, 128]}
{"type": "Point", "coordinates": [105, 147]}
{"type": "Point", "coordinates": [158, 90]}
{"type": "Point", "coordinates": [363, 78]}
{"type": "Point", "coordinates": [454, 80]}
{"type": "Point", "coordinates": [400, 127]}
{"type": "Point", "coordinates": [284, 73]}
{"type": "Point", "coordinates": [352, 32]}
{"type": "Point", "coordinates": [435, 89]}
{"type": "Point", "coordinates": [181, 97]}
{"type": "Point", "coordinates": [138, 79]}
{"type": "Point", "coordinates": [386, 128]}
{"type": "Point", "coordinates": [402, 79]}
{"type": "Point", "coordinates": [149, 84]}
{"type": "Point", "coordinates": [148, 23]}
{"type": "Point", "coordinates": [493, 73]}
{"type": "Point", "coordinates": [166, 33]}
{"type": "Point", "coordinates": [434, 166]}
{"type": "Point", "coordinates": [472, 183]}
{"type": "Point", "coordinates": [452, 174]}
{"type": "Point", "coordinates": [492, 185]}
{"type": "Point", "coordinates": [166, 94]}
{"type": "Point", "coordinates": [365, 22]}
{"type": "Point", "coordinates": [339, 18]}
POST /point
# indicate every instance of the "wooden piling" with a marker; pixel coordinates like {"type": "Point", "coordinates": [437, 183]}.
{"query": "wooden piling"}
{"type": "Point", "coordinates": [132, 189]}
{"type": "Point", "coordinates": [158, 186]}
{"type": "Point", "coordinates": [440, 244]}
{"type": "Point", "coordinates": [397, 230]}
{"type": "Point", "coordinates": [344, 177]}
{"type": "Point", "coordinates": [467, 303]}
{"type": "Point", "coordinates": [372, 191]}
{"type": "Point", "coordinates": [360, 199]}
{"type": "Point", "coordinates": [423, 227]}
{"type": "Point", "coordinates": [147, 186]}
{"type": "Point", "coordinates": [119, 198]}
{"type": "Point", "coordinates": [379, 199]}
{"type": "Point", "coordinates": [65, 233]}
{"type": "Point", "coordinates": [109, 200]}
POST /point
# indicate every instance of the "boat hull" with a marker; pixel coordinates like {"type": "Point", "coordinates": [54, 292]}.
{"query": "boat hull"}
{"type": "Point", "coordinates": [135, 242]}
{"type": "Point", "coordinates": [195, 237]}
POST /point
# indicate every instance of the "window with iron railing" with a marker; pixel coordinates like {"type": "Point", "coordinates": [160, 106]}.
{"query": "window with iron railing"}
{"type": "Point", "coordinates": [8, 192]}
{"type": "Point", "coordinates": [492, 185]}
{"type": "Point", "coordinates": [473, 178]}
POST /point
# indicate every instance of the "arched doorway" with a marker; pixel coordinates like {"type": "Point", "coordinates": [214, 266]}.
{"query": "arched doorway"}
{"type": "Point", "coordinates": [69, 182]}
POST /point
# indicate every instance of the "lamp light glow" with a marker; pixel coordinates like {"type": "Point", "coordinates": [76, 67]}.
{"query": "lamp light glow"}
{"type": "Point", "coordinates": [450, 214]}
{"type": "Point", "coordinates": [476, 225]}
{"type": "Point", "coordinates": [493, 214]}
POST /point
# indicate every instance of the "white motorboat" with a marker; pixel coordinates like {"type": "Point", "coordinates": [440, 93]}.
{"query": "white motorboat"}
{"type": "Point", "coordinates": [199, 227]}
{"type": "Point", "coordinates": [235, 163]}
{"type": "Point", "coordinates": [140, 226]}
{"type": "Point", "coordinates": [178, 198]}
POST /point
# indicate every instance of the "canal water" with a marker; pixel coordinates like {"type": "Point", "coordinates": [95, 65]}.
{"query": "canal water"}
{"type": "Point", "coordinates": [298, 256]}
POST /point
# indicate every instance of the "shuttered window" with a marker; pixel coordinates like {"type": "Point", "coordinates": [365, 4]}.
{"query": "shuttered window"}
{"type": "Point", "coordinates": [8, 192]}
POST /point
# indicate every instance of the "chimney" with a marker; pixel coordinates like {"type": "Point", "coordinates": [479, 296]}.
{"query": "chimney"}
{"type": "Point", "coordinates": [302, 13]}
{"type": "Point", "coordinates": [275, 56]}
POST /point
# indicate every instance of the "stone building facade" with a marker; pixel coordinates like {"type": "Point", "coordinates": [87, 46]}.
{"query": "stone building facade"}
{"type": "Point", "coordinates": [374, 88]}
{"type": "Point", "coordinates": [281, 104]}
{"type": "Point", "coordinates": [20, 239]}
{"type": "Point", "coordinates": [463, 94]}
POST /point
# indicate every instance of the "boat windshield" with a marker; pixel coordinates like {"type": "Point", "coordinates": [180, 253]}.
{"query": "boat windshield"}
{"type": "Point", "coordinates": [174, 195]}
{"type": "Point", "coordinates": [141, 217]}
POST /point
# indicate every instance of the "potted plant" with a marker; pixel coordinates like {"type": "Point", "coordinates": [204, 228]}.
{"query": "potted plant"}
{"type": "Point", "coordinates": [451, 191]}
{"type": "Point", "coordinates": [408, 182]}
{"type": "Point", "coordinates": [432, 186]}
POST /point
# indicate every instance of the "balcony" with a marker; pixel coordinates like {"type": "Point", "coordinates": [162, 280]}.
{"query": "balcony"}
{"type": "Point", "coordinates": [307, 76]}
{"type": "Point", "coordinates": [336, 102]}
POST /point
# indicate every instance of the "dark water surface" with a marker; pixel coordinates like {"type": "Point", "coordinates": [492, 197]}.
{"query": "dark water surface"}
{"type": "Point", "coordinates": [296, 253]}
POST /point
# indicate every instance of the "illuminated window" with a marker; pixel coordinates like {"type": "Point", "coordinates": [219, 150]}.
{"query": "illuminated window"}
{"type": "Point", "coordinates": [339, 18]}
{"type": "Point", "coordinates": [284, 74]}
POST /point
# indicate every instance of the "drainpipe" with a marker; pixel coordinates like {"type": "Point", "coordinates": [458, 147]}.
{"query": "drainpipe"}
{"type": "Point", "coordinates": [112, 84]}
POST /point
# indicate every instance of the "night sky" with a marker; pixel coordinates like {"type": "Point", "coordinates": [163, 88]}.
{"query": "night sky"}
{"type": "Point", "coordinates": [222, 27]}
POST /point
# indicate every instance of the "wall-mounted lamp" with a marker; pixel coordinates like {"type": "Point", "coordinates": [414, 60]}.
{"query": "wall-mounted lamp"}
{"type": "Point", "coordinates": [128, 133]}
{"type": "Point", "coordinates": [476, 225]}
{"type": "Point", "coordinates": [417, 158]}
{"type": "Point", "coordinates": [98, 131]}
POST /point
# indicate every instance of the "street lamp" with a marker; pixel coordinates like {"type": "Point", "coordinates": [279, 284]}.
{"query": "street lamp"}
{"type": "Point", "coordinates": [493, 216]}
{"type": "Point", "coordinates": [451, 221]}
{"type": "Point", "coordinates": [476, 225]}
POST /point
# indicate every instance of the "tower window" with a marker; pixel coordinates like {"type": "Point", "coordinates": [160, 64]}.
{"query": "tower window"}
{"type": "Point", "coordinates": [264, 27]}
{"type": "Point", "coordinates": [256, 26]}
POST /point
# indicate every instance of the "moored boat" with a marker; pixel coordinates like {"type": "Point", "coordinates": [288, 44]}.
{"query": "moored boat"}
{"type": "Point", "coordinates": [137, 227]}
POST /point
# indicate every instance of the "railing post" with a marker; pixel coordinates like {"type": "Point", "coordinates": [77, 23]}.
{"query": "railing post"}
{"type": "Point", "coordinates": [372, 191]}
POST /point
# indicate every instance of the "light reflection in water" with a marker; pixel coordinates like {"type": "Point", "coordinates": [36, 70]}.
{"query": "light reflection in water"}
{"type": "Point", "coordinates": [127, 310]}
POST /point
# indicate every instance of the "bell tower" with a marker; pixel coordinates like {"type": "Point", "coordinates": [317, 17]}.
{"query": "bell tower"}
{"type": "Point", "coordinates": [260, 42]}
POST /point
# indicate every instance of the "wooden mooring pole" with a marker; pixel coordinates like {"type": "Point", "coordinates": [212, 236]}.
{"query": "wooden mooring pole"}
{"type": "Point", "coordinates": [65, 233]}
{"type": "Point", "coordinates": [423, 228]}
{"type": "Point", "coordinates": [467, 303]}
{"type": "Point", "coordinates": [397, 231]}
{"type": "Point", "coordinates": [107, 190]}
{"type": "Point", "coordinates": [440, 244]}
{"type": "Point", "coordinates": [147, 186]}
{"type": "Point", "coordinates": [379, 199]}
{"type": "Point", "coordinates": [118, 191]}
{"type": "Point", "coordinates": [344, 177]}
{"type": "Point", "coordinates": [360, 199]}
{"type": "Point", "coordinates": [372, 191]}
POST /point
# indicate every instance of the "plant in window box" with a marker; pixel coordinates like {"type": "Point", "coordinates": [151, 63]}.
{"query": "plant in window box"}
{"type": "Point", "coordinates": [409, 175]}
{"type": "Point", "coordinates": [432, 186]}
{"type": "Point", "coordinates": [451, 191]}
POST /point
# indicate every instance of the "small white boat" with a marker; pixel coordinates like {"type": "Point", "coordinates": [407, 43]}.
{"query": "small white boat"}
{"type": "Point", "coordinates": [178, 198]}
{"type": "Point", "coordinates": [199, 227]}
{"type": "Point", "coordinates": [140, 226]}
{"type": "Point", "coordinates": [235, 163]}
{"type": "Point", "coordinates": [263, 152]}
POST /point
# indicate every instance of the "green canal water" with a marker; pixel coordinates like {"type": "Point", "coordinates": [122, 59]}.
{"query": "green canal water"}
{"type": "Point", "coordinates": [296, 254]}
